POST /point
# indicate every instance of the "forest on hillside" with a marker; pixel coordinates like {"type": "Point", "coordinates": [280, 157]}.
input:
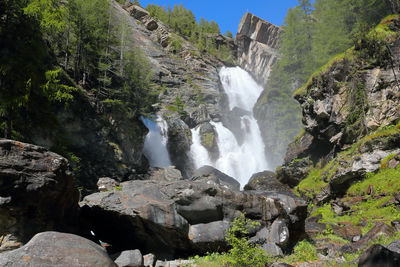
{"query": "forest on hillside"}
{"type": "Point", "coordinates": [51, 49]}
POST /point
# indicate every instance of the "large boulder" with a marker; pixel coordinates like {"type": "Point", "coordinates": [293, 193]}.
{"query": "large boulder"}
{"type": "Point", "coordinates": [53, 249]}
{"type": "Point", "coordinates": [36, 193]}
{"type": "Point", "coordinates": [266, 181]}
{"type": "Point", "coordinates": [208, 138]}
{"type": "Point", "coordinates": [180, 218]}
{"type": "Point", "coordinates": [208, 173]}
{"type": "Point", "coordinates": [179, 141]}
{"type": "Point", "coordinates": [378, 255]}
{"type": "Point", "coordinates": [380, 229]}
{"type": "Point", "coordinates": [129, 258]}
{"type": "Point", "coordinates": [294, 172]}
{"type": "Point", "coordinates": [137, 12]}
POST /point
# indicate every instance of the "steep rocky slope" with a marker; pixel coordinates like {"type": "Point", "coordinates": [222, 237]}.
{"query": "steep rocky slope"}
{"type": "Point", "coordinates": [345, 163]}
{"type": "Point", "coordinates": [191, 93]}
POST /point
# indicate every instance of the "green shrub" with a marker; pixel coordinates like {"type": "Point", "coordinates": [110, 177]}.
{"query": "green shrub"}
{"type": "Point", "coordinates": [304, 251]}
{"type": "Point", "coordinates": [242, 252]}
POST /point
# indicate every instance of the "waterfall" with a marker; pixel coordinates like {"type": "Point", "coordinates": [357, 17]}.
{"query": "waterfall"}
{"type": "Point", "coordinates": [155, 144]}
{"type": "Point", "coordinates": [239, 161]}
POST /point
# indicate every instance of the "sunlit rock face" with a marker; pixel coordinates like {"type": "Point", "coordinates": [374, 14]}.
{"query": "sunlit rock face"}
{"type": "Point", "coordinates": [258, 42]}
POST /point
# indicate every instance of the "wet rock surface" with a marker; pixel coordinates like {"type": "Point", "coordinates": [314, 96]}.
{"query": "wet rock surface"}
{"type": "Point", "coordinates": [36, 193]}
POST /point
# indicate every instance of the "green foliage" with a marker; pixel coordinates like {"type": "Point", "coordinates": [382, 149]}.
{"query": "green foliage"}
{"type": "Point", "coordinates": [385, 182]}
{"type": "Point", "coordinates": [242, 253]}
{"type": "Point", "coordinates": [55, 90]}
{"type": "Point", "coordinates": [318, 177]}
{"type": "Point", "coordinates": [228, 34]}
{"type": "Point", "coordinates": [371, 46]}
{"type": "Point", "coordinates": [312, 35]}
{"type": "Point", "coordinates": [179, 105]}
{"type": "Point", "coordinates": [136, 2]}
{"type": "Point", "coordinates": [304, 251]}
{"type": "Point", "coordinates": [176, 44]}
{"type": "Point", "coordinates": [183, 23]}
{"type": "Point", "coordinates": [118, 188]}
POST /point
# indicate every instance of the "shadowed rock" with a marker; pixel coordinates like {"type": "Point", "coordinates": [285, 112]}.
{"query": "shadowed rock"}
{"type": "Point", "coordinates": [378, 255]}
{"type": "Point", "coordinates": [36, 193]}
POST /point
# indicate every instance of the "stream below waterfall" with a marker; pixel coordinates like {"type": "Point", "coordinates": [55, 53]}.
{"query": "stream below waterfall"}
{"type": "Point", "coordinates": [242, 160]}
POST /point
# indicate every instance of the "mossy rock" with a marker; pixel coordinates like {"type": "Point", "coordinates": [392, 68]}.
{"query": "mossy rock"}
{"type": "Point", "coordinates": [208, 138]}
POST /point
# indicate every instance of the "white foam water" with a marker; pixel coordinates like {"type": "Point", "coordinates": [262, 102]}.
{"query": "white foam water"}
{"type": "Point", "coordinates": [238, 161]}
{"type": "Point", "coordinates": [155, 144]}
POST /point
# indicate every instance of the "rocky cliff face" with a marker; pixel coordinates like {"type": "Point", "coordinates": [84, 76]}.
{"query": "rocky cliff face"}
{"type": "Point", "coordinates": [257, 42]}
{"type": "Point", "coordinates": [187, 75]}
{"type": "Point", "coordinates": [346, 160]}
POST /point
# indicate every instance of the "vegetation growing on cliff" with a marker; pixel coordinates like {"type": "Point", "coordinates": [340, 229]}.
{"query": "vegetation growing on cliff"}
{"type": "Point", "coordinates": [313, 34]}
{"type": "Point", "coordinates": [56, 55]}
{"type": "Point", "coordinates": [202, 34]}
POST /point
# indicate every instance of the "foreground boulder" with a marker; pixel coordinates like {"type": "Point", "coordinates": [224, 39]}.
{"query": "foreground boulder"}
{"type": "Point", "coordinates": [36, 193]}
{"type": "Point", "coordinates": [53, 249]}
{"type": "Point", "coordinates": [378, 255]}
{"type": "Point", "coordinates": [181, 218]}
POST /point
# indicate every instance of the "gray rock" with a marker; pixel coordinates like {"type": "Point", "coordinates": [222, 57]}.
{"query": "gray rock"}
{"type": "Point", "coordinates": [174, 263]}
{"type": "Point", "coordinates": [37, 193]}
{"type": "Point", "coordinates": [377, 255]}
{"type": "Point", "coordinates": [171, 219]}
{"type": "Point", "coordinates": [266, 181]}
{"type": "Point", "coordinates": [137, 12]}
{"type": "Point", "coordinates": [258, 42]}
{"type": "Point", "coordinates": [129, 258]}
{"type": "Point", "coordinates": [208, 173]}
{"type": "Point", "coordinates": [53, 249]}
{"type": "Point", "coordinates": [279, 233]}
{"type": "Point", "coordinates": [313, 227]}
{"type": "Point", "coordinates": [294, 172]}
{"type": "Point", "coordinates": [179, 141]}
{"type": "Point", "coordinates": [208, 138]}
{"type": "Point", "coordinates": [149, 260]}
{"type": "Point", "coordinates": [167, 174]}
{"type": "Point", "coordinates": [205, 236]}
{"type": "Point", "coordinates": [394, 246]}
{"type": "Point", "coordinates": [272, 249]}
{"type": "Point", "coordinates": [150, 23]}
{"type": "Point", "coordinates": [106, 184]}
{"type": "Point", "coordinates": [380, 229]}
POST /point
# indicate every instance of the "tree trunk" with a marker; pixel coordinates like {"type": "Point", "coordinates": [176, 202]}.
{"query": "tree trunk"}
{"type": "Point", "coordinates": [7, 129]}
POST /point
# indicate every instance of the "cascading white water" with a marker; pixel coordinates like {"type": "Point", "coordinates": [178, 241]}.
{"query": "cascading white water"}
{"type": "Point", "coordinates": [155, 144]}
{"type": "Point", "coordinates": [238, 161]}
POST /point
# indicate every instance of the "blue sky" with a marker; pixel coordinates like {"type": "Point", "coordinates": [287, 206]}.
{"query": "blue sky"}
{"type": "Point", "coordinates": [227, 13]}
